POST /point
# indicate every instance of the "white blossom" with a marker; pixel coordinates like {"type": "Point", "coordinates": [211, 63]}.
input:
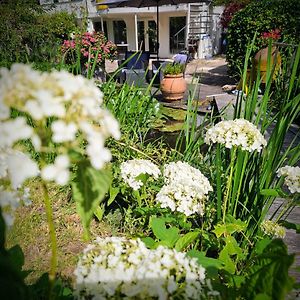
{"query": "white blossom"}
{"type": "Point", "coordinates": [185, 189]}
{"type": "Point", "coordinates": [113, 267]}
{"type": "Point", "coordinates": [131, 169]}
{"type": "Point", "coordinates": [20, 167]}
{"type": "Point", "coordinates": [236, 133]}
{"type": "Point", "coordinates": [74, 103]}
{"type": "Point", "coordinates": [292, 177]}
{"type": "Point", "coordinates": [63, 132]}
{"type": "Point", "coordinates": [272, 229]}
{"type": "Point", "coordinates": [14, 130]}
{"type": "Point", "coordinates": [59, 171]}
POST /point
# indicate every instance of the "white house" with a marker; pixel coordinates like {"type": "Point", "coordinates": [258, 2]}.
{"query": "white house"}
{"type": "Point", "coordinates": [192, 26]}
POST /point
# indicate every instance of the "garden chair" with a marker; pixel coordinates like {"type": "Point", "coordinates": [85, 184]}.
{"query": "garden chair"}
{"type": "Point", "coordinates": [136, 67]}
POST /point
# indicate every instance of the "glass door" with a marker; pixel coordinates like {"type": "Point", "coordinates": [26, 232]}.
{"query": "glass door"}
{"type": "Point", "coordinates": [147, 35]}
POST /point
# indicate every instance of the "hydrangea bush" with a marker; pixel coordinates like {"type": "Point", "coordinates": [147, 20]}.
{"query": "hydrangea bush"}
{"type": "Point", "coordinates": [291, 178]}
{"type": "Point", "coordinates": [185, 189]}
{"type": "Point", "coordinates": [90, 48]}
{"type": "Point", "coordinates": [236, 133]}
{"type": "Point", "coordinates": [117, 268]}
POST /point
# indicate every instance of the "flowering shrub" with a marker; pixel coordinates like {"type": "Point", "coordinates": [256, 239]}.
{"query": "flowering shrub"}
{"type": "Point", "coordinates": [73, 102]}
{"type": "Point", "coordinates": [93, 47]}
{"type": "Point", "coordinates": [236, 133]}
{"type": "Point", "coordinates": [116, 268]}
{"type": "Point", "coordinates": [292, 177]}
{"type": "Point", "coordinates": [185, 189]}
{"type": "Point", "coordinates": [63, 113]}
{"type": "Point", "coordinates": [272, 229]}
{"type": "Point", "coordinates": [131, 169]}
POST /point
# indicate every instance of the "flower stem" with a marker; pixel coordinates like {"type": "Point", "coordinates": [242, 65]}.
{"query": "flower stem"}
{"type": "Point", "coordinates": [229, 181]}
{"type": "Point", "coordinates": [53, 262]}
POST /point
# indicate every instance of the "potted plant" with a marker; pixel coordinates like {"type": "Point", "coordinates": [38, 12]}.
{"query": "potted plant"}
{"type": "Point", "coordinates": [173, 85]}
{"type": "Point", "coordinates": [261, 57]}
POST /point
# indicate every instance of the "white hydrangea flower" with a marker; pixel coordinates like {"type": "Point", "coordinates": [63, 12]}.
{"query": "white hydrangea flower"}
{"type": "Point", "coordinates": [236, 133]}
{"type": "Point", "coordinates": [74, 102]}
{"type": "Point", "coordinates": [14, 130]}
{"type": "Point", "coordinates": [272, 229]}
{"type": "Point", "coordinates": [63, 132]}
{"type": "Point", "coordinates": [185, 189]}
{"type": "Point", "coordinates": [292, 177]}
{"type": "Point", "coordinates": [59, 171]}
{"type": "Point", "coordinates": [10, 200]}
{"type": "Point", "coordinates": [20, 167]}
{"type": "Point", "coordinates": [114, 267]}
{"type": "Point", "coordinates": [132, 168]}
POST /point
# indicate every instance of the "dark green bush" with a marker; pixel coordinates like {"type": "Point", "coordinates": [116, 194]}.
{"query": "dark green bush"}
{"type": "Point", "coordinates": [258, 17]}
{"type": "Point", "coordinates": [30, 34]}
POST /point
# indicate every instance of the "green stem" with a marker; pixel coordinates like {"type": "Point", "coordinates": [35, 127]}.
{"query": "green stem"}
{"type": "Point", "coordinates": [219, 187]}
{"type": "Point", "coordinates": [229, 181]}
{"type": "Point", "coordinates": [49, 214]}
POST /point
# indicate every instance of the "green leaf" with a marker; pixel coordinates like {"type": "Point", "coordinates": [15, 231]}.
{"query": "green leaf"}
{"type": "Point", "coordinates": [290, 225]}
{"type": "Point", "coordinates": [261, 245]}
{"type": "Point", "coordinates": [99, 212]}
{"type": "Point", "coordinates": [269, 192]}
{"type": "Point", "coordinates": [230, 228]}
{"type": "Point", "coordinates": [186, 240]}
{"type": "Point", "coordinates": [262, 297]}
{"type": "Point", "coordinates": [211, 265]}
{"type": "Point", "coordinates": [149, 242]}
{"type": "Point", "coordinates": [268, 272]}
{"type": "Point", "coordinates": [89, 188]}
{"type": "Point", "coordinates": [16, 256]}
{"type": "Point", "coordinates": [167, 235]}
{"type": "Point", "coordinates": [113, 192]}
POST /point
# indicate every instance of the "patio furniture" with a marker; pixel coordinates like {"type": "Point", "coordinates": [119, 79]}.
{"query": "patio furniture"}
{"type": "Point", "coordinates": [136, 67]}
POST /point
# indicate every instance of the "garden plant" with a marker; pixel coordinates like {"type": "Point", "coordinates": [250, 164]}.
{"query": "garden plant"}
{"type": "Point", "coordinates": [193, 221]}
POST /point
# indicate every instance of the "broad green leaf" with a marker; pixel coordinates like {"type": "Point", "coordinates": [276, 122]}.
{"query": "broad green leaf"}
{"type": "Point", "coordinates": [16, 256]}
{"type": "Point", "coordinates": [261, 245]}
{"type": "Point", "coordinates": [186, 240]}
{"type": "Point", "coordinates": [228, 263]}
{"type": "Point", "coordinates": [290, 225]}
{"type": "Point", "coordinates": [89, 188]}
{"type": "Point", "coordinates": [203, 260]}
{"type": "Point", "coordinates": [149, 242]}
{"type": "Point", "coordinates": [167, 235]}
{"type": "Point", "coordinates": [113, 192]}
{"type": "Point", "coordinates": [230, 228]}
{"type": "Point", "coordinates": [99, 212]}
{"type": "Point", "coordinates": [268, 272]}
{"type": "Point", "coordinates": [262, 297]}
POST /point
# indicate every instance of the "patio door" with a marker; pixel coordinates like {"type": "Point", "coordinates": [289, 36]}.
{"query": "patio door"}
{"type": "Point", "coordinates": [147, 35]}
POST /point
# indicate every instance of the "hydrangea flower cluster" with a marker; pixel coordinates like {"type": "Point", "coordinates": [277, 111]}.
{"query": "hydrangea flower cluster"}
{"type": "Point", "coordinates": [272, 229]}
{"type": "Point", "coordinates": [292, 178]}
{"type": "Point", "coordinates": [185, 189]}
{"type": "Point", "coordinates": [93, 47]}
{"type": "Point", "coordinates": [236, 133]}
{"type": "Point", "coordinates": [72, 101]}
{"type": "Point", "coordinates": [116, 268]}
{"type": "Point", "coordinates": [131, 169]}
{"type": "Point", "coordinates": [15, 168]}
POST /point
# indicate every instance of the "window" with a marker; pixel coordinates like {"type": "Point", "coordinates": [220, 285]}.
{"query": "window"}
{"type": "Point", "coordinates": [98, 27]}
{"type": "Point", "coordinates": [177, 34]}
{"type": "Point", "coordinates": [120, 32]}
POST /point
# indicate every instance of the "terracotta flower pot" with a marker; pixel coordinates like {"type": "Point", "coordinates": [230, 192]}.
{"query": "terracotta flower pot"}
{"type": "Point", "coordinates": [173, 87]}
{"type": "Point", "coordinates": [261, 62]}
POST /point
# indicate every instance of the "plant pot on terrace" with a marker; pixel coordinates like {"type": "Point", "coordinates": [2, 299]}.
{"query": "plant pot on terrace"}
{"type": "Point", "coordinates": [173, 84]}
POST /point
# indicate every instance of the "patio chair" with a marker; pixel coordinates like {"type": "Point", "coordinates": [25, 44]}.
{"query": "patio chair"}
{"type": "Point", "coordinates": [135, 70]}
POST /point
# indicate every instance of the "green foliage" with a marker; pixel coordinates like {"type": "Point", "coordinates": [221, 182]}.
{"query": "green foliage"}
{"type": "Point", "coordinates": [268, 271]}
{"type": "Point", "coordinates": [89, 189]}
{"type": "Point", "coordinates": [173, 69]}
{"type": "Point", "coordinates": [259, 17]}
{"type": "Point", "coordinates": [29, 34]}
